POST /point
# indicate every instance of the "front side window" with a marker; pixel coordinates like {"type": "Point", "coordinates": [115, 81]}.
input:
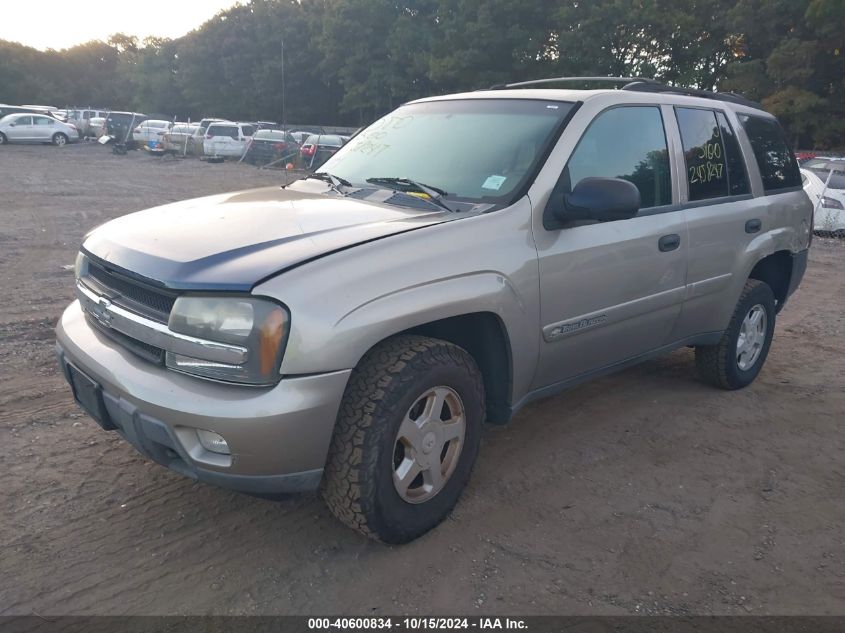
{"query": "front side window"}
{"type": "Point", "coordinates": [778, 167]}
{"type": "Point", "coordinates": [475, 149]}
{"type": "Point", "coordinates": [24, 120]}
{"type": "Point", "coordinates": [626, 142]}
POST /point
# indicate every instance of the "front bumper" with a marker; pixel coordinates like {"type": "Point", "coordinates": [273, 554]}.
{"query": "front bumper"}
{"type": "Point", "coordinates": [278, 436]}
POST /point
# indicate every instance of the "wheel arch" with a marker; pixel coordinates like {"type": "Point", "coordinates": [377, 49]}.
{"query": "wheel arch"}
{"type": "Point", "coordinates": [775, 270]}
{"type": "Point", "coordinates": [484, 336]}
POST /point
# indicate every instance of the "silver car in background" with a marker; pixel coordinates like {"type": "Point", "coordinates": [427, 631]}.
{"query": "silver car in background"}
{"type": "Point", "coordinates": [36, 128]}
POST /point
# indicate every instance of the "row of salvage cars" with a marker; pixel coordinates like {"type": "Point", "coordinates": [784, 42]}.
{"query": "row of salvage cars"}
{"type": "Point", "coordinates": [823, 179]}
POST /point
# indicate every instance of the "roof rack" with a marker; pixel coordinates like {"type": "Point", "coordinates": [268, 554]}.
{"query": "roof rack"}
{"type": "Point", "coordinates": [654, 86]}
{"type": "Point", "coordinates": [555, 80]}
{"type": "Point", "coordinates": [640, 84]}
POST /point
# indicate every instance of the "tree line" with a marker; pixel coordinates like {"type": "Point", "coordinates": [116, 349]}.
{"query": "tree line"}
{"type": "Point", "coordinates": [349, 61]}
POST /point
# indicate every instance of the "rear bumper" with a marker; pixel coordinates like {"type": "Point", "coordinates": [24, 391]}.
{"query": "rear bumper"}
{"type": "Point", "coordinates": [278, 437]}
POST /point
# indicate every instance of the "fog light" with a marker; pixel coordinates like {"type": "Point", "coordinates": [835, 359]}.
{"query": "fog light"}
{"type": "Point", "coordinates": [213, 442]}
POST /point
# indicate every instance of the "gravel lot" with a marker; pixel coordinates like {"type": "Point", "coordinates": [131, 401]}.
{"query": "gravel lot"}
{"type": "Point", "coordinates": [643, 492]}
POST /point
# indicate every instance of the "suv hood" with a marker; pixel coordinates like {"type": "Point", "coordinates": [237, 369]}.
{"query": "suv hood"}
{"type": "Point", "coordinates": [233, 241]}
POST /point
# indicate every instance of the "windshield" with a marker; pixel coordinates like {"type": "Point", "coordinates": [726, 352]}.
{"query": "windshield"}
{"type": "Point", "coordinates": [473, 148]}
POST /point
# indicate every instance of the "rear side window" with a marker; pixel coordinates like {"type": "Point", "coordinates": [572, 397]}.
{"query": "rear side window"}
{"type": "Point", "coordinates": [713, 160]}
{"type": "Point", "coordinates": [626, 142]}
{"type": "Point", "coordinates": [737, 178]}
{"type": "Point", "coordinates": [778, 167]}
{"type": "Point", "coordinates": [248, 130]}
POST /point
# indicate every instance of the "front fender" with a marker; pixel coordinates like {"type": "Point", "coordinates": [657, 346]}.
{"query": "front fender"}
{"type": "Point", "coordinates": [344, 304]}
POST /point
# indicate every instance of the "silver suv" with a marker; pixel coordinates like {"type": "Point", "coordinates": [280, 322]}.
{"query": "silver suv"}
{"type": "Point", "coordinates": [459, 258]}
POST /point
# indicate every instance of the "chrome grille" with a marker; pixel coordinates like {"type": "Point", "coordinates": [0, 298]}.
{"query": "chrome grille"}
{"type": "Point", "coordinates": [128, 293]}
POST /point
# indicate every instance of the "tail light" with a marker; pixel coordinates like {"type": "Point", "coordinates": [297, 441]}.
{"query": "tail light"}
{"type": "Point", "coordinates": [279, 146]}
{"type": "Point", "coordinates": [831, 203]}
{"type": "Point", "coordinates": [209, 136]}
{"type": "Point", "coordinates": [137, 130]}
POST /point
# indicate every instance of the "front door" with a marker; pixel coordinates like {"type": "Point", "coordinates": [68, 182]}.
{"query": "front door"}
{"type": "Point", "coordinates": [611, 291]}
{"type": "Point", "coordinates": [21, 130]}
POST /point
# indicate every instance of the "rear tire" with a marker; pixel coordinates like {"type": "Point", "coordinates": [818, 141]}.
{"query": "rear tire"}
{"type": "Point", "coordinates": [406, 438]}
{"type": "Point", "coordinates": [736, 360]}
{"type": "Point", "coordinates": [60, 139]}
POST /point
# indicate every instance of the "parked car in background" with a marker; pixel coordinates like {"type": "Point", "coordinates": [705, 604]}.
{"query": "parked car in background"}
{"type": "Point", "coordinates": [81, 118]}
{"type": "Point", "coordinates": [830, 200]}
{"type": "Point", "coordinates": [300, 136]}
{"type": "Point", "coordinates": [266, 125]}
{"type": "Point", "coordinates": [318, 148]}
{"type": "Point", "coordinates": [119, 126]}
{"type": "Point", "coordinates": [96, 126]}
{"type": "Point", "coordinates": [183, 138]}
{"type": "Point", "coordinates": [270, 145]}
{"type": "Point", "coordinates": [13, 109]}
{"type": "Point", "coordinates": [204, 123]}
{"type": "Point", "coordinates": [36, 128]}
{"type": "Point", "coordinates": [228, 138]}
{"type": "Point", "coordinates": [150, 130]}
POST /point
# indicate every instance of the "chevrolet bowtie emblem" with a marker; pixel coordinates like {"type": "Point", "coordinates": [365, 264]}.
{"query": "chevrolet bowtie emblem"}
{"type": "Point", "coordinates": [100, 311]}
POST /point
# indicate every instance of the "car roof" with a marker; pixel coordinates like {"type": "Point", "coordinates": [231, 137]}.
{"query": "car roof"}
{"type": "Point", "coordinates": [607, 96]}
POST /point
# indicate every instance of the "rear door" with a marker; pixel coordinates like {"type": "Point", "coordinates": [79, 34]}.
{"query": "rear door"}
{"type": "Point", "coordinates": [610, 291]}
{"type": "Point", "coordinates": [723, 216]}
{"type": "Point", "coordinates": [43, 128]}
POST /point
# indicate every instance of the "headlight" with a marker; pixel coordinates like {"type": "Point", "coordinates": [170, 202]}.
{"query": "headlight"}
{"type": "Point", "coordinates": [259, 325]}
{"type": "Point", "coordinates": [79, 265]}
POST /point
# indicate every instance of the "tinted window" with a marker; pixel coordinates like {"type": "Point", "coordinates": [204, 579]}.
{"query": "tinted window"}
{"type": "Point", "coordinates": [778, 166]}
{"type": "Point", "coordinates": [629, 143]}
{"type": "Point", "coordinates": [737, 178]}
{"type": "Point", "coordinates": [704, 153]}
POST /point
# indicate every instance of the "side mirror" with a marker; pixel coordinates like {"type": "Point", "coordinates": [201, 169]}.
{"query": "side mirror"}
{"type": "Point", "coordinates": [601, 199]}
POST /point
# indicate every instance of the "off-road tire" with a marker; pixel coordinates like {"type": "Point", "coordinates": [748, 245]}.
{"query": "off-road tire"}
{"type": "Point", "coordinates": [3, 139]}
{"type": "Point", "coordinates": [60, 139]}
{"type": "Point", "coordinates": [358, 481]}
{"type": "Point", "coordinates": [717, 364]}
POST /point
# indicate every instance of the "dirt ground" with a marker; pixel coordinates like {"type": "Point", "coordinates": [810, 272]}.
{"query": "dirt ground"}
{"type": "Point", "coordinates": [643, 492]}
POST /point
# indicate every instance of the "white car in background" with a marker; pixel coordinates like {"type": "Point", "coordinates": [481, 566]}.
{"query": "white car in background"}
{"type": "Point", "coordinates": [227, 138]}
{"type": "Point", "coordinates": [151, 130]}
{"type": "Point", "coordinates": [36, 128]}
{"type": "Point", "coordinates": [829, 201]}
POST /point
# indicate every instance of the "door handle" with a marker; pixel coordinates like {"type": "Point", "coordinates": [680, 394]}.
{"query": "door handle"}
{"type": "Point", "coordinates": [752, 226]}
{"type": "Point", "coordinates": [669, 242]}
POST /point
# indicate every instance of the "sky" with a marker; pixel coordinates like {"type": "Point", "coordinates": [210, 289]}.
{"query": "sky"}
{"type": "Point", "coordinates": [63, 23]}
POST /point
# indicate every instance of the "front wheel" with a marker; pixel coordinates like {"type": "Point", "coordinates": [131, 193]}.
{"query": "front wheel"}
{"type": "Point", "coordinates": [59, 139]}
{"type": "Point", "coordinates": [406, 438]}
{"type": "Point", "coordinates": [736, 360]}
{"type": "Point", "coordinates": [3, 139]}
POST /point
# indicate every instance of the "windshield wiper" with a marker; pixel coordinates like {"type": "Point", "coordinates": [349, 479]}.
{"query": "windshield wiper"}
{"type": "Point", "coordinates": [434, 193]}
{"type": "Point", "coordinates": [335, 182]}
